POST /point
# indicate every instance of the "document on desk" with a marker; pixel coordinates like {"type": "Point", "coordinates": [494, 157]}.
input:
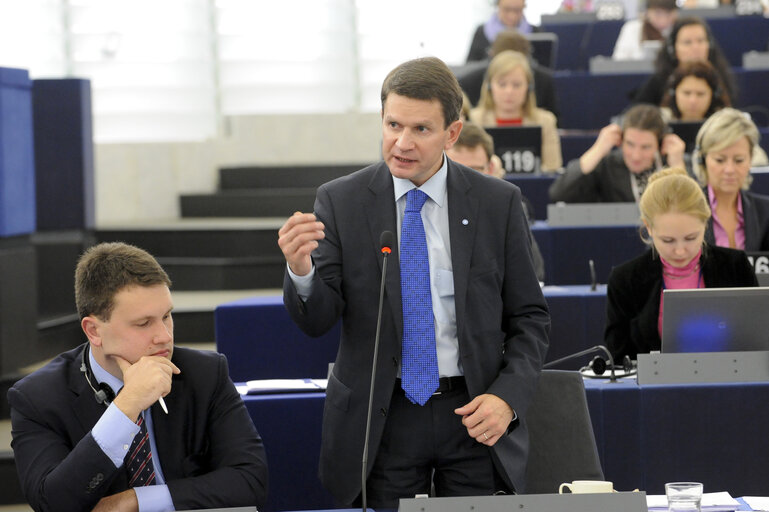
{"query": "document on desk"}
{"type": "Point", "coordinates": [711, 502]}
{"type": "Point", "coordinates": [269, 386]}
{"type": "Point", "coordinates": [757, 502]}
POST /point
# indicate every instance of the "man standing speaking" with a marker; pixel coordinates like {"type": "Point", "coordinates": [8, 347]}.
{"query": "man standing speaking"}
{"type": "Point", "coordinates": [464, 325]}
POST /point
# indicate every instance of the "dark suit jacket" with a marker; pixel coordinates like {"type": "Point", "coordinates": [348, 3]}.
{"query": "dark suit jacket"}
{"type": "Point", "coordinates": [210, 452]}
{"type": "Point", "coordinates": [633, 296]}
{"type": "Point", "coordinates": [608, 183]}
{"type": "Point", "coordinates": [755, 213]}
{"type": "Point", "coordinates": [502, 318]}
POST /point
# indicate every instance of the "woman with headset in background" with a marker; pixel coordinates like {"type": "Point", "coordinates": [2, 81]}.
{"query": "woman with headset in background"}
{"type": "Point", "coordinates": [727, 147]}
{"type": "Point", "coordinates": [639, 37]}
{"type": "Point", "coordinates": [508, 99]}
{"type": "Point", "coordinates": [675, 213]}
{"type": "Point", "coordinates": [694, 92]}
{"type": "Point", "coordinates": [604, 174]}
{"type": "Point", "coordinates": [508, 16]}
{"type": "Point", "coordinates": [690, 40]}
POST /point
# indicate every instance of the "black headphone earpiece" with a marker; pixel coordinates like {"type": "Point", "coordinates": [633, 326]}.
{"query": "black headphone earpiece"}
{"type": "Point", "coordinates": [598, 365]}
{"type": "Point", "coordinates": [104, 394]}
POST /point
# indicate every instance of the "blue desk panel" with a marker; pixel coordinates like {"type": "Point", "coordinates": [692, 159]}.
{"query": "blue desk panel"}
{"type": "Point", "coordinates": [534, 188]}
{"type": "Point", "coordinates": [646, 436]}
{"type": "Point", "coordinates": [567, 250]}
{"type": "Point", "coordinates": [588, 101]}
{"type": "Point", "coordinates": [261, 341]}
{"type": "Point", "coordinates": [17, 159]}
{"type": "Point", "coordinates": [709, 433]}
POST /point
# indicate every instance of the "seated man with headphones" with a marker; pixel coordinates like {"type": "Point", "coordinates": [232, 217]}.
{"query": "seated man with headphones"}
{"type": "Point", "coordinates": [126, 421]}
{"type": "Point", "coordinates": [607, 175]}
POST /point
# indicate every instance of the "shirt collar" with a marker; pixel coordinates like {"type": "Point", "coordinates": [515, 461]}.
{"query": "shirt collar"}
{"type": "Point", "coordinates": [714, 200]}
{"type": "Point", "coordinates": [102, 375]}
{"type": "Point", "coordinates": [435, 187]}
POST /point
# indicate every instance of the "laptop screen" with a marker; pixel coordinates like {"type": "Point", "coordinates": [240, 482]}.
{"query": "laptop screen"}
{"type": "Point", "coordinates": [687, 130]}
{"type": "Point", "coordinates": [519, 148]}
{"type": "Point", "coordinates": [715, 320]}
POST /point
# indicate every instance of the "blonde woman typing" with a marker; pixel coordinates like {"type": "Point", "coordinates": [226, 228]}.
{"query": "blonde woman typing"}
{"type": "Point", "coordinates": [675, 214]}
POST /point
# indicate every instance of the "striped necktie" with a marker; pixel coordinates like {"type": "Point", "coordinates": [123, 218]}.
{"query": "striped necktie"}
{"type": "Point", "coordinates": [138, 462]}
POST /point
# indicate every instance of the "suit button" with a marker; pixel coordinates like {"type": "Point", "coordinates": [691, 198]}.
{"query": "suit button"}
{"type": "Point", "coordinates": [383, 411]}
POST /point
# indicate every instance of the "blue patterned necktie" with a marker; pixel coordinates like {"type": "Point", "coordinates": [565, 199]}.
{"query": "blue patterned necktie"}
{"type": "Point", "coordinates": [138, 461]}
{"type": "Point", "coordinates": [419, 371]}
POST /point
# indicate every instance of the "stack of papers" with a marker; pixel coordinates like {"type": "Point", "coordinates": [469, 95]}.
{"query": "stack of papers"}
{"type": "Point", "coordinates": [711, 502]}
{"type": "Point", "coordinates": [757, 502]}
{"type": "Point", "coordinates": [268, 386]}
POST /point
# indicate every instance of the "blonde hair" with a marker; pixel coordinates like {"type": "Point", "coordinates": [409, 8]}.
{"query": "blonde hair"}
{"type": "Point", "coordinates": [671, 190]}
{"type": "Point", "coordinates": [721, 130]}
{"type": "Point", "coordinates": [503, 63]}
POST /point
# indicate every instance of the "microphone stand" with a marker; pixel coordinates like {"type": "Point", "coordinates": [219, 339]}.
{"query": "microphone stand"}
{"type": "Point", "coordinates": [591, 350]}
{"type": "Point", "coordinates": [385, 252]}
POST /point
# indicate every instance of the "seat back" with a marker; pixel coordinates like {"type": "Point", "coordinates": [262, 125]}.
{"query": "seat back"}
{"type": "Point", "coordinates": [562, 445]}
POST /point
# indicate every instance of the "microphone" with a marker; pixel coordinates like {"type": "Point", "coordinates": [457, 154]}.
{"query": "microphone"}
{"type": "Point", "coordinates": [593, 280]}
{"type": "Point", "coordinates": [386, 242]}
{"type": "Point", "coordinates": [591, 350]}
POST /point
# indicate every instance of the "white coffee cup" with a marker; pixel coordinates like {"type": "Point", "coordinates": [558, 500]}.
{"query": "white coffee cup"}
{"type": "Point", "coordinates": [587, 487]}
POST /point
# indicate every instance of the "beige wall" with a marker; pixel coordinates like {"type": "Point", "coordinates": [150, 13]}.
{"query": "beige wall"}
{"type": "Point", "coordinates": [137, 182]}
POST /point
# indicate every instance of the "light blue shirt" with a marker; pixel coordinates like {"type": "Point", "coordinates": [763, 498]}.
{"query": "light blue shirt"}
{"type": "Point", "coordinates": [435, 218]}
{"type": "Point", "coordinates": [114, 433]}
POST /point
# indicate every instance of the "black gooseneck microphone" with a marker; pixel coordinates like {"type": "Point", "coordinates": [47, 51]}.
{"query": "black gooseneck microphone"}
{"type": "Point", "coordinates": [386, 242]}
{"type": "Point", "coordinates": [597, 348]}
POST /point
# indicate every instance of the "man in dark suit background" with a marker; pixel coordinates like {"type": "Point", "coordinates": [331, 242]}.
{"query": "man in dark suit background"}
{"type": "Point", "coordinates": [72, 437]}
{"type": "Point", "coordinates": [490, 319]}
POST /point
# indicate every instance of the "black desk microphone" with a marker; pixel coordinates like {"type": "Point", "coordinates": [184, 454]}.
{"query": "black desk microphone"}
{"type": "Point", "coordinates": [386, 241]}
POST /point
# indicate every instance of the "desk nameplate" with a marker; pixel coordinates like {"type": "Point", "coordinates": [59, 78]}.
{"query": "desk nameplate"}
{"type": "Point", "coordinates": [703, 367]}
{"type": "Point", "coordinates": [625, 501]}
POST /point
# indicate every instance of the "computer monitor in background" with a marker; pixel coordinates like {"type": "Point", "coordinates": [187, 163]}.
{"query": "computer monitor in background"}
{"type": "Point", "coordinates": [715, 320]}
{"type": "Point", "coordinates": [544, 48]}
{"type": "Point", "coordinates": [687, 130]}
{"type": "Point", "coordinates": [519, 148]}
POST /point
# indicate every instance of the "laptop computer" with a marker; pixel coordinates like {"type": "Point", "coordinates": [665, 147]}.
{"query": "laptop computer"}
{"type": "Point", "coordinates": [519, 148]}
{"type": "Point", "coordinates": [715, 320]}
{"type": "Point", "coordinates": [687, 130]}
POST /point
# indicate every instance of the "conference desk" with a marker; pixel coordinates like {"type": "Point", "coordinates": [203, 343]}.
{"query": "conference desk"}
{"type": "Point", "coordinates": [261, 341]}
{"type": "Point", "coordinates": [567, 250]}
{"type": "Point", "coordinates": [646, 436]}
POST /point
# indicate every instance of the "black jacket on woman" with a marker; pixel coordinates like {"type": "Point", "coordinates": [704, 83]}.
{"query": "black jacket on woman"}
{"type": "Point", "coordinates": [755, 213]}
{"type": "Point", "coordinates": [633, 296]}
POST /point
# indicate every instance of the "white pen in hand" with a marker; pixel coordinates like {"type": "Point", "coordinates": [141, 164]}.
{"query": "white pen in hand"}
{"type": "Point", "coordinates": [163, 404]}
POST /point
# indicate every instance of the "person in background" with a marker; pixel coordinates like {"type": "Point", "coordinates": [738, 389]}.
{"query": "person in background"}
{"type": "Point", "coordinates": [727, 146]}
{"type": "Point", "coordinates": [633, 42]}
{"type": "Point", "coordinates": [694, 92]}
{"type": "Point", "coordinates": [464, 331]}
{"type": "Point", "coordinates": [91, 429]}
{"type": "Point", "coordinates": [508, 15]}
{"type": "Point", "coordinates": [475, 149]}
{"type": "Point", "coordinates": [471, 79]}
{"type": "Point", "coordinates": [508, 99]}
{"type": "Point", "coordinates": [675, 214]}
{"type": "Point", "coordinates": [690, 40]}
{"type": "Point", "coordinates": [604, 174]}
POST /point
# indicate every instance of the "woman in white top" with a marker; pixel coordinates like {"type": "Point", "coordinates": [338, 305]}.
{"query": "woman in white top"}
{"type": "Point", "coordinates": [633, 40]}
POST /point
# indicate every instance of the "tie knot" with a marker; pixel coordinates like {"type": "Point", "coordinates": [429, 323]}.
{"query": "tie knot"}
{"type": "Point", "coordinates": [415, 199]}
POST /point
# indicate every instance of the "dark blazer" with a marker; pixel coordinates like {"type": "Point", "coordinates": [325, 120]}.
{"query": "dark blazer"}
{"type": "Point", "coordinates": [608, 183]}
{"type": "Point", "coordinates": [210, 452]}
{"type": "Point", "coordinates": [501, 315]}
{"type": "Point", "coordinates": [633, 296]}
{"type": "Point", "coordinates": [755, 213]}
